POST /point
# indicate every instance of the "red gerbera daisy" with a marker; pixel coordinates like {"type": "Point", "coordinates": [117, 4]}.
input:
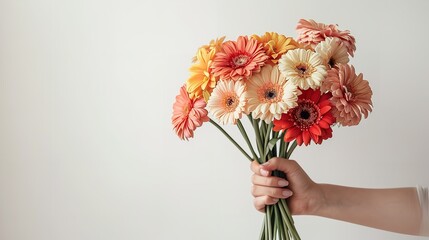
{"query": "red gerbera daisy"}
{"type": "Point", "coordinates": [310, 120]}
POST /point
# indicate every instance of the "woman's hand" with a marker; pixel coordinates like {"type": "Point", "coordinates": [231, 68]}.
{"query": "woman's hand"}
{"type": "Point", "coordinates": [305, 196]}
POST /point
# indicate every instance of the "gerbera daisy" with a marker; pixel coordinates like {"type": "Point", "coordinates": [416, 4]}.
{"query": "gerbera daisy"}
{"type": "Point", "coordinates": [228, 101]}
{"type": "Point", "coordinates": [188, 114]}
{"type": "Point", "coordinates": [239, 59]}
{"type": "Point", "coordinates": [270, 94]}
{"type": "Point", "coordinates": [311, 33]}
{"type": "Point", "coordinates": [303, 68]}
{"type": "Point", "coordinates": [276, 45]}
{"type": "Point", "coordinates": [332, 51]}
{"type": "Point", "coordinates": [310, 120]}
{"type": "Point", "coordinates": [351, 94]}
{"type": "Point", "coordinates": [201, 82]}
{"type": "Point", "coordinates": [213, 45]}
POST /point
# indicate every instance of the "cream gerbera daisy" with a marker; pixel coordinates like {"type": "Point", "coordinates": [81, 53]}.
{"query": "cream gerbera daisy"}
{"type": "Point", "coordinates": [227, 101]}
{"type": "Point", "coordinates": [270, 94]}
{"type": "Point", "coordinates": [303, 68]}
{"type": "Point", "coordinates": [332, 51]}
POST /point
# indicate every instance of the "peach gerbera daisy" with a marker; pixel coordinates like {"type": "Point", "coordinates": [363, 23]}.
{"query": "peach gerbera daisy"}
{"type": "Point", "coordinates": [311, 33]}
{"type": "Point", "coordinates": [239, 59]}
{"type": "Point", "coordinates": [202, 81]}
{"type": "Point", "coordinates": [228, 101]}
{"type": "Point", "coordinates": [332, 52]}
{"type": "Point", "coordinates": [188, 114]}
{"type": "Point", "coordinates": [310, 120]}
{"type": "Point", "coordinates": [276, 45]}
{"type": "Point", "coordinates": [351, 94]}
{"type": "Point", "coordinates": [270, 94]}
{"type": "Point", "coordinates": [303, 68]}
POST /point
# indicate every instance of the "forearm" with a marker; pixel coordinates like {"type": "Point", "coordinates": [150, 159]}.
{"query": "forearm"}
{"type": "Point", "coordinates": [396, 210]}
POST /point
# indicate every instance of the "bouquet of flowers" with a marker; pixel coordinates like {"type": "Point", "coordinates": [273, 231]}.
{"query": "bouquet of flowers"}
{"type": "Point", "coordinates": [291, 90]}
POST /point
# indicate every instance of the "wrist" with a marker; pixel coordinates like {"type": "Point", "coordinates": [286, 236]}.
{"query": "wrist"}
{"type": "Point", "coordinates": [319, 202]}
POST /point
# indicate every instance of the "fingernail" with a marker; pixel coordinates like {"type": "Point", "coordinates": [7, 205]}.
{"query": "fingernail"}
{"type": "Point", "coordinates": [283, 183]}
{"type": "Point", "coordinates": [264, 172]}
{"type": "Point", "coordinates": [287, 193]}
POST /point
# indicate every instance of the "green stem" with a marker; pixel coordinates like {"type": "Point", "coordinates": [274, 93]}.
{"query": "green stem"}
{"type": "Point", "coordinates": [246, 138]}
{"type": "Point", "coordinates": [266, 140]}
{"type": "Point", "coordinates": [258, 138]}
{"type": "Point", "coordinates": [289, 152]}
{"type": "Point", "coordinates": [279, 223]}
{"type": "Point", "coordinates": [282, 148]}
{"type": "Point", "coordinates": [274, 134]}
{"type": "Point", "coordinates": [288, 219]}
{"type": "Point", "coordinates": [269, 223]}
{"type": "Point", "coordinates": [231, 139]}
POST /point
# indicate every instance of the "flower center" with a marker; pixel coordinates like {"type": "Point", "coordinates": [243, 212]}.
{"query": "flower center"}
{"type": "Point", "coordinates": [240, 60]}
{"type": "Point", "coordinates": [347, 95]}
{"type": "Point", "coordinates": [231, 103]}
{"type": "Point", "coordinates": [304, 70]}
{"type": "Point", "coordinates": [306, 114]}
{"type": "Point", "coordinates": [270, 93]}
{"type": "Point", "coordinates": [331, 62]}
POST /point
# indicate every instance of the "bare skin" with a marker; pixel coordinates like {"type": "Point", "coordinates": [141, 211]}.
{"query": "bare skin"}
{"type": "Point", "coordinates": [396, 210]}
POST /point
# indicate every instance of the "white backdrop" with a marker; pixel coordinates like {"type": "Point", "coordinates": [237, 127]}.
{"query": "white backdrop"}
{"type": "Point", "coordinates": [86, 147]}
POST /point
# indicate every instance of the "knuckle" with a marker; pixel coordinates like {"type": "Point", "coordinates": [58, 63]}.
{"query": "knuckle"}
{"type": "Point", "coordinates": [267, 200]}
{"type": "Point", "coordinates": [253, 178]}
{"type": "Point", "coordinates": [273, 192]}
{"type": "Point", "coordinates": [253, 190]}
{"type": "Point", "coordinates": [275, 160]}
{"type": "Point", "coordinates": [268, 181]}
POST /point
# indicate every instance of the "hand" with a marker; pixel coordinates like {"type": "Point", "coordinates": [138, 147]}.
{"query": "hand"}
{"type": "Point", "coordinates": [305, 196]}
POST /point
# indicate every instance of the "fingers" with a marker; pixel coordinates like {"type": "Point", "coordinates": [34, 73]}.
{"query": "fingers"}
{"type": "Point", "coordinates": [285, 165]}
{"type": "Point", "coordinates": [274, 192]}
{"type": "Point", "coordinates": [257, 169]}
{"type": "Point", "coordinates": [262, 201]}
{"type": "Point", "coordinates": [268, 189]}
{"type": "Point", "coordinates": [269, 181]}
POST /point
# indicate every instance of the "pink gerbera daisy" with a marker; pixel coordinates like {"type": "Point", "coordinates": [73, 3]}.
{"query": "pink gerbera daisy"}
{"type": "Point", "coordinates": [188, 114]}
{"type": "Point", "coordinates": [310, 120]}
{"type": "Point", "coordinates": [351, 94]}
{"type": "Point", "coordinates": [239, 59]}
{"type": "Point", "coordinates": [311, 33]}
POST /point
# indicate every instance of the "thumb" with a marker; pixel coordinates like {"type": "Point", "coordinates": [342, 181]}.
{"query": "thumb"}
{"type": "Point", "coordinates": [285, 165]}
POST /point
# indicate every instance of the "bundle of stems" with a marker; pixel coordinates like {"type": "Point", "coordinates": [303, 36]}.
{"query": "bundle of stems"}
{"type": "Point", "coordinates": [278, 222]}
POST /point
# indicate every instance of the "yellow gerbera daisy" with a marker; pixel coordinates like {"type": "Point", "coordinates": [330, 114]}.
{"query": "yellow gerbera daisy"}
{"type": "Point", "coordinates": [201, 82]}
{"type": "Point", "coordinates": [214, 44]}
{"type": "Point", "coordinates": [276, 45]}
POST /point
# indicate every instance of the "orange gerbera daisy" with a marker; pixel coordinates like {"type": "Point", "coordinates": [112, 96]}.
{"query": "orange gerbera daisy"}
{"type": "Point", "coordinates": [310, 120]}
{"type": "Point", "coordinates": [188, 114]}
{"type": "Point", "coordinates": [351, 94]}
{"type": "Point", "coordinates": [239, 59]}
{"type": "Point", "coordinates": [276, 45]}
